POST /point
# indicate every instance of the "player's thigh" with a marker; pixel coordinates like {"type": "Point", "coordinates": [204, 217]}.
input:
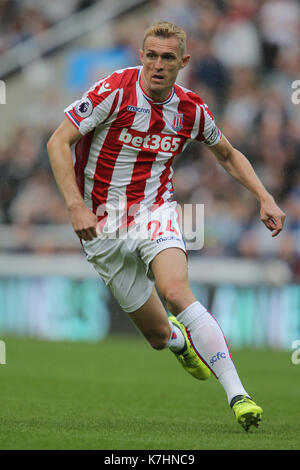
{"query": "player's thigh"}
{"type": "Point", "coordinates": [152, 321]}
{"type": "Point", "coordinates": [119, 265]}
{"type": "Point", "coordinates": [130, 284]}
{"type": "Point", "coordinates": [170, 271]}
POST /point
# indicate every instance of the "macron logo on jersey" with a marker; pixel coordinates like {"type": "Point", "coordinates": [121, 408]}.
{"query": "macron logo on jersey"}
{"type": "Point", "coordinates": [134, 109]}
{"type": "Point", "coordinates": [104, 87]}
{"type": "Point", "coordinates": [157, 142]}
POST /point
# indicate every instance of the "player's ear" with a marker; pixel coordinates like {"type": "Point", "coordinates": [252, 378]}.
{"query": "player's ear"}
{"type": "Point", "coordinates": [185, 60]}
{"type": "Point", "coordinates": [141, 52]}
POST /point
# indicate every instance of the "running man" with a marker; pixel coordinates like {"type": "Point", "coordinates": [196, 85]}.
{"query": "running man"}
{"type": "Point", "coordinates": [128, 128]}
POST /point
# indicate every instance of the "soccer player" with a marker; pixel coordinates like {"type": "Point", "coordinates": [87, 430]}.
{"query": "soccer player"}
{"type": "Point", "coordinates": [128, 127]}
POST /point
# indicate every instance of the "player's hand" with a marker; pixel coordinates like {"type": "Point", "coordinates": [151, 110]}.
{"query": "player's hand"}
{"type": "Point", "coordinates": [272, 216]}
{"type": "Point", "coordinates": [84, 222]}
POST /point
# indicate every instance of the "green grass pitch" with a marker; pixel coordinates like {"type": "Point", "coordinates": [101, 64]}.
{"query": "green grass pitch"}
{"type": "Point", "coordinates": [121, 394]}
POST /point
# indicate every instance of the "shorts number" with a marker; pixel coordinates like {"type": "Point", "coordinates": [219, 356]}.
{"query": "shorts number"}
{"type": "Point", "coordinates": [157, 224]}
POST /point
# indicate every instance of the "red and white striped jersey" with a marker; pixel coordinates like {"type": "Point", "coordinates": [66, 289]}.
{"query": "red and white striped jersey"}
{"type": "Point", "coordinates": [129, 141]}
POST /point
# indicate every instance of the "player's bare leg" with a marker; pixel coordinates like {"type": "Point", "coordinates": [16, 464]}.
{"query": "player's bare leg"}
{"type": "Point", "coordinates": [171, 275]}
{"type": "Point", "coordinates": [161, 332]}
{"type": "Point", "coordinates": [152, 321]}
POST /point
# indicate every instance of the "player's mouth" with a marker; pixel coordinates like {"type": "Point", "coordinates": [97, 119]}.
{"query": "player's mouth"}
{"type": "Point", "coordinates": [157, 78]}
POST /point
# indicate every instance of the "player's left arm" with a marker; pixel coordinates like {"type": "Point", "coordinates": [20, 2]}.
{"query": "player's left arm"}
{"type": "Point", "coordinates": [238, 166]}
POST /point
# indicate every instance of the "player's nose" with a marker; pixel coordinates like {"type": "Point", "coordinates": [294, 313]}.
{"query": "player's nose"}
{"type": "Point", "coordinates": [158, 63]}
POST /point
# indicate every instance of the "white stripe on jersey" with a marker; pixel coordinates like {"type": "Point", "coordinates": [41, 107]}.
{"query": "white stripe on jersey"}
{"type": "Point", "coordinates": [95, 151]}
{"type": "Point", "coordinates": [168, 115]}
{"type": "Point", "coordinates": [153, 183]}
{"type": "Point", "coordinates": [123, 169]}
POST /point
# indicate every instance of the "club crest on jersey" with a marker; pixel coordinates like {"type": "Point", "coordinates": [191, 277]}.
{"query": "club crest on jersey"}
{"type": "Point", "coordinates": [84, 108]}
{"type": "Point", "coordinates": [177, 122]}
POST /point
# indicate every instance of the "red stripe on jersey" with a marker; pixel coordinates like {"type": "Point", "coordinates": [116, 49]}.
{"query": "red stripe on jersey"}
{"type": "Point", "coordinates": [200, 103]}
{"type": "Point", "coordinates": [188, 109]}
{"type": "Point", "coordinates": [200, 135]}
{"type": "Point", "coordinates": [94, 98]}
{"type": "Point", "coordinates": [197, 101]}
{"type": "Point", "coordinates": [103, 88]}
{"type": "Point", "coordinates": [82, 150]}
{"type": "Point", "coordinates": [112, 145]}
{"type": "Point", "coordinates": [135, 191]}
{"type": "Point", "coordinates": [114, 105]}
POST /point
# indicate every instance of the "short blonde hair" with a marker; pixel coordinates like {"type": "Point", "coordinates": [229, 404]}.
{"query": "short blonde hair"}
{"type": "Point", "coordinates": [165, 29]}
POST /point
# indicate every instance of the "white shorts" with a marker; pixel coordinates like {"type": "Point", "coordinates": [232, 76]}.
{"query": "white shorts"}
{"type": "Point", "coordinates": [124, 263]}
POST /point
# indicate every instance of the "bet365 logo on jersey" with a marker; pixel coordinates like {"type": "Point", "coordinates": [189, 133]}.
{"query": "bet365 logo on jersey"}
{"type": "Point", "coordinates": [158, 142]}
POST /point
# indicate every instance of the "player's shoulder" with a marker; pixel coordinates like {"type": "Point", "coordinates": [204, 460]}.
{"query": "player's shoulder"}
{"type": "Point", "coordinates": [192, 98]}
{"type": "Point", "coordinates": [188, 95]}
{"type": "Point", "coordinates": [119, 78]}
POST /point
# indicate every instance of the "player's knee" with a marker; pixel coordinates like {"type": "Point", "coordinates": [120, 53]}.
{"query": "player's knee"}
{"type": "Point", "coordinates": [175, 294]}
{"type": "Point", "coordinates": [158, 345]}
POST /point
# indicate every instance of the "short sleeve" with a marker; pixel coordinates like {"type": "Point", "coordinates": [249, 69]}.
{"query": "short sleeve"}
{"type": "Point", "coordinates": [95, 106]}
{"type": "Point", "coordinates": [209, 133]}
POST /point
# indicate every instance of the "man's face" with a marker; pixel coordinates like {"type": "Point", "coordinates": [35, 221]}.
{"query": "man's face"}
{"type": "Point", "coordinates": [162, 61]}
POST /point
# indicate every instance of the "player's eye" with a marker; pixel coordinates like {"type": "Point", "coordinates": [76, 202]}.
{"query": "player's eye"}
{"type": "Point", "coordinates": [151, 55]}
{"type": "Point", "coordinates": [168, 57]}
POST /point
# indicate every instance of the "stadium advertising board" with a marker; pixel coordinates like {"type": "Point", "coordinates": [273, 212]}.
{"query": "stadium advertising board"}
{"type": "Point", "coordinates": [57, 308]}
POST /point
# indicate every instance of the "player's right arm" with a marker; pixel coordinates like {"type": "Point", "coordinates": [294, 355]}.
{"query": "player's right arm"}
{"type": "Point", "coordinates": [239, 167]}
{"type": "Point", "coordinates": [83, 220]}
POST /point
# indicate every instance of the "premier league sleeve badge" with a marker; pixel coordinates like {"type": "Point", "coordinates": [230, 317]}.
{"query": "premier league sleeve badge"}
{"type": "Point", "coordinates": [84, 108]}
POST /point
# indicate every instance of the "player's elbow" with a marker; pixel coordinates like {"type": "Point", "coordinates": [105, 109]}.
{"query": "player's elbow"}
{"type": "Point", "coordinates": [54, 140]}
{"type": "Point", "coordinates": [51, 142]}
{"type": "Point", "coordinates": [227, 153]}
{"type": "Point", "coordinates": [56, 143]}
{"type": "Point", "coordinates": [223, 151]}
{"type": "Point", "coordinates": [63, 137]}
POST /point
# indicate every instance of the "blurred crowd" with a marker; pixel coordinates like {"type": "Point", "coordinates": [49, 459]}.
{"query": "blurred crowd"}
{"type": "Point", "coordinates": [23, 19]}
{"type": "Point", "coordinates": [245, 59]}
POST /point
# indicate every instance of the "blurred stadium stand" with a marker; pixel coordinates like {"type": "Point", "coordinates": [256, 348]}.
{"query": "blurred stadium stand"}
{"type": "Point", "coordinates": [245, 58]}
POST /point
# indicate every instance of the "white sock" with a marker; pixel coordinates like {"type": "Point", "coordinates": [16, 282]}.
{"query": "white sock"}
{"type": "Point", "coordinates": [210, 344]}
{"type": "Point", "coordinates": [177, 340]}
